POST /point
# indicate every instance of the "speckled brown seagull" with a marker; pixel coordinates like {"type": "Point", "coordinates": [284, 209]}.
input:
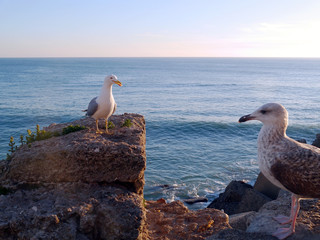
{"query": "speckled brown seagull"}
{"type": "Point", "coordinates": [104, 105]}
{"type": "Point", "coordinates": [288, 164]}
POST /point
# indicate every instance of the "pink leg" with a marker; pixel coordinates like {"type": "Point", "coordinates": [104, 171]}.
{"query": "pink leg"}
{"type": "Point", "coordinates": [283, 233]}
{"type": "Point", "coordinates": [284, 219]}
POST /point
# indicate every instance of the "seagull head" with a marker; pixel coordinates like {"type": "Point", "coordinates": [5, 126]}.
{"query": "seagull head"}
{"type": "Point", "coordinates": [268, 114]}
{"type": "Point", "coordinates": [112, 79]}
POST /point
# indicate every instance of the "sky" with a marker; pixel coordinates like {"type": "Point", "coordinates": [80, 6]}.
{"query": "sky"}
{"type": "Point", "coordinates": [159, 28]}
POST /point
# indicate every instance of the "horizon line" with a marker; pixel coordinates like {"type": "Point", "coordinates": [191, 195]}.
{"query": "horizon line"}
{"type": "Point", "coordinates": [166, 57]}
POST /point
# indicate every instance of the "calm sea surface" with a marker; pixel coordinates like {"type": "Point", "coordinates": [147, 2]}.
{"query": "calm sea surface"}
{"type": "Point", "coordinates": [195, 146]}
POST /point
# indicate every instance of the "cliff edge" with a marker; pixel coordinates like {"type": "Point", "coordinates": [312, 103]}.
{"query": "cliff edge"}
{"type": "Point", "coordinates": [80, 185]}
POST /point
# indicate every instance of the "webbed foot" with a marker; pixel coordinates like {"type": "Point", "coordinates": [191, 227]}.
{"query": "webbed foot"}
{"type": "Point", "coordinates": [283, 219]}
{"type": "Point", "coordinates": [282, 233]}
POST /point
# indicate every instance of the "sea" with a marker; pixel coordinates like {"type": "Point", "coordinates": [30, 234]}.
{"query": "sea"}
{"type": "Point", "coordinates": [195, 145]}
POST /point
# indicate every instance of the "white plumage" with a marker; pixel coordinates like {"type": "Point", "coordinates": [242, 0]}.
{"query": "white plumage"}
{"type": "Point", "coordinates": [104, 105]}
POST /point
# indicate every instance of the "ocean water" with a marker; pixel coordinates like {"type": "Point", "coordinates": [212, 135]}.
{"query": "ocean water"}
{"type": "Point", "coordinates": [195, 145]}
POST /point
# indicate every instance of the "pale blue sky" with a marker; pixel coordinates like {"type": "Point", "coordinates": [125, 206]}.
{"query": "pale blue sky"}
{"type": "Point", "coordinates": [163, 28]}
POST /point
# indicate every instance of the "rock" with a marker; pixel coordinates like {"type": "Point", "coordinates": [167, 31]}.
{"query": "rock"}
{"type": "Point", "coordinates": [80, 186]}
{"type": "Point", "coordinates": [264, 186]}
{"type": "Point", "coordinates": [316, 142]}
{"type": "Point", "coordinates": [239, 197]}
{"type": "Point", "coordinates": [84, 156]}
{"type": "Point", "coordinates": [196, 200]}
{"type": "Point", "coordinates": [302, 140]}
{"type": "Point", "coordinates": [308, 221]}
{"type": "Point", "coordinates": [72, 211]}
{"type": "Point", "coordinates": [241, 220]}
{"type": "Point", "coordinates": [174, 221]}
{"type": "Point", "coordinates": [236, 234]}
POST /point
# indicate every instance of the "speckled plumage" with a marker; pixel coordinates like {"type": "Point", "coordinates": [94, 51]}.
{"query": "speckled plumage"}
{"type": "Point", "coordinates": [288, 164]}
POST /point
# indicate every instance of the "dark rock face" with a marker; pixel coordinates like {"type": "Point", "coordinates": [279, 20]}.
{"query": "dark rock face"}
{"type": "Point", "coordinates": [196, 200]}
{"type": "Point", "coordinates": [239, 197]}
{"type": "Point", "coordinates": [316, 142]}
{"type": "Point", "coordinates": [81, 185]}
{"type": "Point", "coordinates": [264, 186]}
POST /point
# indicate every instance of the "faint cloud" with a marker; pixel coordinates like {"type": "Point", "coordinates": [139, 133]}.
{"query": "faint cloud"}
{"type": "Point", "coordinates": [280, 39]}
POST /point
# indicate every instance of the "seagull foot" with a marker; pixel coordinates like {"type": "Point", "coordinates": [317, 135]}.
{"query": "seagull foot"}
{"type": "Point", "coordinates": [283, 219]}
{"type": "Point", "coordinates": [282, 233]}
{"type": "Point", "coordinates": [99, 132]}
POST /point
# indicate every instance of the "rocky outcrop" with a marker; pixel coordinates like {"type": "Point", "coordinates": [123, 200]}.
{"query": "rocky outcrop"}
{"type": "Point", "coordinates": [81, 185]}
{"type": "Point", "coordinates": [171, 221]}
{"type": "Point", "coordinates": [308, 220]}
{"type": "Point", "coordinates": [72, 211]}
{"type": "Point", "coordinates": [260, 225]}
{"type": "Point", "coordinates": [239, 197]}
{"type": "Point", "coordinates": [85, 156]}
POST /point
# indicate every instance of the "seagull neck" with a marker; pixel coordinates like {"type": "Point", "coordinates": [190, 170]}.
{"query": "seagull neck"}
{"type": "Point", "coordinates": [271, 133]}
{"type": "Point", "coordinates": [106, 90]}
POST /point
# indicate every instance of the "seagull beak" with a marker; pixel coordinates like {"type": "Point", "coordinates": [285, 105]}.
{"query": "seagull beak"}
{"type": "Point", "coordinates": [118, 83]}
{"type": "Point", "coordinates": [246, 118]}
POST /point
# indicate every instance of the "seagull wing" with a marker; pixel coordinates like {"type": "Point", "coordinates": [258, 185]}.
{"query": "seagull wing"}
{"type": "Point", "coordinates": [92, 107]}
{"type": "Point", "coordinates": [114, 108]}
{"type": "Point", "coordinates": [298, 170]}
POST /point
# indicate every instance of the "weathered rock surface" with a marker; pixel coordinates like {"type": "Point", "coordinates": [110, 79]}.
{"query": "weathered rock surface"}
{"type": "Point", "coordinates": [72, 211]}
{"type": "Point", "coordinates": [81, 185]}
{"type": "Point", "coordinates": [308, 221]}
{"type": "Point", "coordinates": [235, 234]}
{"type": "Point", "coordinates": [239, 197]}
{"type": "Point", "coordinates": [260, 225]}
{"type": "Point", "coordinates": [241, 221]}
{"type": "Point", "coordinates": [85, 156]}
{"type": "Point", "coordinates": [174, 221]}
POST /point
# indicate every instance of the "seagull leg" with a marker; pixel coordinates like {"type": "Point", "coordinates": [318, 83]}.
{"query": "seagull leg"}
{"type": "Point", "coordinates": [97, 126]}
{"type": "Point", "coordinates": [283, 233]}
{"type": "Point", "coordinates": [284, 219]}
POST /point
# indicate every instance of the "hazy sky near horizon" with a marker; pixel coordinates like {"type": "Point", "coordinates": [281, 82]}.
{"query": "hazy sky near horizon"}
{"type": "Point", "coordinates": [166, 28]}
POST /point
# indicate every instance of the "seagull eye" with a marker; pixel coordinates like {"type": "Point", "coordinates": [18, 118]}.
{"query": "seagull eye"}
{"type": "Point", "coordinates": [263, 111]}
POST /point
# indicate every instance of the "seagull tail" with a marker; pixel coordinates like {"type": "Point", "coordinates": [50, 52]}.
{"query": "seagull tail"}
{"type": "Point", "coordinates": [84, 110]}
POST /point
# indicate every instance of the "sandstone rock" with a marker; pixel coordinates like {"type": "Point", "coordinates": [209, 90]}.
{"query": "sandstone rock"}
{"type": "Point", "coordinates": [80, 186]}
{"type": "Point", "coordinates": [84, 156]}
{"type": "Point", "coordinates": [174, 221]}
{"type": "Point", "coordinates": [72, 211]}
{"type": "Point", "coordinates": [239, 197]}
{"type": "Point", "coordinates": [308, 221]}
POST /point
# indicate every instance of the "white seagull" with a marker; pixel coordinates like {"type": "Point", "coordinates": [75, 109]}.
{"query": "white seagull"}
{"type": "Point", "coordinates": [104, 105]}
{"type": "Point", "coordinates": [288, 164]}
